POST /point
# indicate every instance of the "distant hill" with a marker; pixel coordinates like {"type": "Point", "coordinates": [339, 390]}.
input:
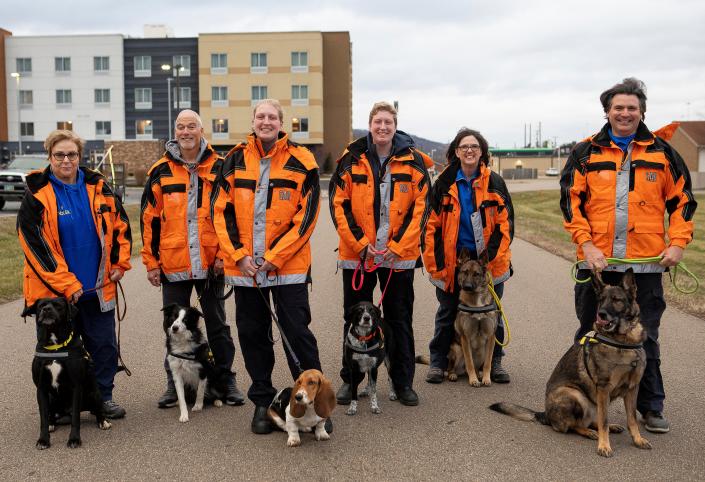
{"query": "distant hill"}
{"type": "Point", "coordinates": [437, 150]}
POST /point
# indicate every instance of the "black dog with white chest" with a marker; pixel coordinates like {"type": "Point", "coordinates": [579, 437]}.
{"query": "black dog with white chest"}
{"type": "Point", "coordinates": [365, 352]}
{"type": "Point", "coordinates": [62, 371]}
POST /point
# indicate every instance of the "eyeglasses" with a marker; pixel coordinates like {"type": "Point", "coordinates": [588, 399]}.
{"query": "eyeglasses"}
{"type": "Point", "coordinates": [465, 149]}
{"type": "Point", "coordinates": [60, 156]}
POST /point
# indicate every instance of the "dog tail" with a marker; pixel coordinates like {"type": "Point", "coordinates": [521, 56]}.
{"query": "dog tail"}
{"type": "Point", "coordinates": [519, 412]}
{"type": "Point", "coordinates": [423, 359]}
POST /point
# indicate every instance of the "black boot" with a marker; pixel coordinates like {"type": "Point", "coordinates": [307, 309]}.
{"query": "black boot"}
{"type": "Point", "coordinates": [261, 424]}
{"type": "Point", "coordinates": [344, 394]}
{"type": "Point", "coordinates": [234, 396]}
{"type": "Point", "coordinates": [498, 374]}
{"type": "Point", "coordinates": [169, 398]}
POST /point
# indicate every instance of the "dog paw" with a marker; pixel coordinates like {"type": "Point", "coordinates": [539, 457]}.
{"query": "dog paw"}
{"type": "Point", "coordinates": [293, 442]}
{"type": "Point", "coordinates": [393, 396]}
{"type": "Point", "coordinates": [197, 407]}
{"type": "Point", "coordinates": [616, 428]}
{"type": "Point", "coordinates": [42, 444]}
{"type": "Point", "coordinates": [73, 443]}
{"type": "Point", "coordinates": [105, 425]}
{"type": "Point", "coordinates": [474, 383]}
{"type": "Point", "coordinates": [486, 383]}
{"type": "Point", "coordinates": [351, 411]}
{"type": "Point", "coordinates": [452, 377]}
{"type": "Point", "coordinates": [323, 435]}
{"type": "Point", "coordinates": [642, 443]}
{"type": "Point", "coordinates": [375, 409]}
{"type": "Point", "coordinates": [217, 403]}
{"type": "Point", "coordinates": [52, 428]}
{"type": "Point", "coordinates": [183, 417]}
{"type": "Point", "coordinates": [605, 451]}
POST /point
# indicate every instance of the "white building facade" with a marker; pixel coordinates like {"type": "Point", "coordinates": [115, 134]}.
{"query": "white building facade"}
{"type": "Point", "coordinates": [66, 82]}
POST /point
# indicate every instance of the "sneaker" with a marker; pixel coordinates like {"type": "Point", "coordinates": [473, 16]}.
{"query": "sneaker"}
{"type": "Point", "coordinates": [435, 375]}
{"type": "Point", "coordinates": [112, 410]}
{"type": "Point", "coordinates": [407, 396]}
{"type": "Point", "coordinates": [344, 394]}
{"type": "Point", "coordinates": [169, 398]}
{"type": "Point", "coordinates": [655, 422]}
{"type": "Point", "coordinates": [498, 374]}
{"type": "Point", "coordinates": [234, 396]}
{"type": "Point", "coordinates": [261, 424]}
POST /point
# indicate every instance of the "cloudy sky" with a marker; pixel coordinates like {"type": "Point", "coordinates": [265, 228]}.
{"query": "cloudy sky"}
{"type": "Point", "coordinates": [491, 65]}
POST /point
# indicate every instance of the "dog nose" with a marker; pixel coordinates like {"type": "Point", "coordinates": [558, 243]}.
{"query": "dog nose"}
{"type": "Point", "coordinates": [299, 397]}
{"type": "Point", "coordinates": [175, 328]}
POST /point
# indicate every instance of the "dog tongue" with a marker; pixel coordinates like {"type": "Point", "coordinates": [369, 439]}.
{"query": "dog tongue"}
{"type": "Point", "coordinates": [600, 321]}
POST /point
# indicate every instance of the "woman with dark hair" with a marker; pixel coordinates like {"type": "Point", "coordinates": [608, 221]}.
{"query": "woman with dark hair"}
{"type": "Point", "coordinates": [470, 209]}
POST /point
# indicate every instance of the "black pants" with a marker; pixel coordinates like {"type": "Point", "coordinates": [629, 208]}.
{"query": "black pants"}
{"type": "Point", "coordinates": [445, 326]}
{"type": "Point", "coordinates": [213, 309]}
{"type": "Point", "coordinates": [398, 309]}
{"type": "Point", "coordinates": [254, 327]}
{"type": "Point", "coordinates": [649, 297]}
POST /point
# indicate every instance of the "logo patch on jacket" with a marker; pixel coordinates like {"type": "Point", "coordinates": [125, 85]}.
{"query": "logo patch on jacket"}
{"type": "Point", "coordinates": [403, 188]}
{"type": "Point", "coordinates": [284, 195]}
{"type": "Point", "coordinates": [651, 176]}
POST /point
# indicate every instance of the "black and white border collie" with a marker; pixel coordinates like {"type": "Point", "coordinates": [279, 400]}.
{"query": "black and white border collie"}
{"type": "Point", "coordinates": [188, 356]}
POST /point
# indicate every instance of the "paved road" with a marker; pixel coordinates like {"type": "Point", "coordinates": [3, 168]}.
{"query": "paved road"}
{"type": "Point", "coordinates": [450, 435]}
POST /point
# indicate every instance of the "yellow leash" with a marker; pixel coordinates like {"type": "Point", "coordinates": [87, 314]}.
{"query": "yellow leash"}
{"type": "Point", "coordinates": [655, 259]}
{"type": "Point", "coordinates": [58, 346]}
{"type": "Point", "coordinates": [508, 334]}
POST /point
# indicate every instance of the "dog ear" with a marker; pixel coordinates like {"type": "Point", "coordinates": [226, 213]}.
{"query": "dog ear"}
{"type": "Point", "coordinates": [463, 256]}
{"type": "Point", "coordinates": [629, 283]}
{"type": "Point", "coordinates": [29, 310]}
{"type": "Point", "coordinates": [325, 398]}
{"type": "Point", "coordinates": [597, 282]}
{"type": "Point", "coordinates": [484, 258]}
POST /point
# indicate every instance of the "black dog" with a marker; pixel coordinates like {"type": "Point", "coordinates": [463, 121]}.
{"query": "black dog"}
{"type": "Point", "coordinates": [364, 350]}
{"type": "Point", "coordinates": [190, 361]}
{"type": "Point", "coordinates": [62, 371]}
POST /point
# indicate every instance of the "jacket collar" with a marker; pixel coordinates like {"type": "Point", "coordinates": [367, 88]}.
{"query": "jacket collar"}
{"type": "Point", "coordinates": [280, 144]}
{"type": "Point", "coordinates": [36, 180]}
{"type": "Point", "coordinates": [401, 145]}
{"type": "Point", "coordinates": [643, 135]}
{"type": "Point", "coordinates": [173, 151]}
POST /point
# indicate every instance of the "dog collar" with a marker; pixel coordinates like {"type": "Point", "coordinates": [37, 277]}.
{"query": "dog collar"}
{"type": "Point", "coordinates": [58, 346]}
{"type": "Point", "coordinates": [359, 346]}
{"type": "Point", "coordinates": [478, 309]}
{"type": "Point", "coordinates": [594, 337]}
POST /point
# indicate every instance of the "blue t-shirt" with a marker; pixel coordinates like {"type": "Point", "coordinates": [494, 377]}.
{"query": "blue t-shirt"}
{"type": "Point", "coordinates": [622, 142]}
{"type": "Point", "coordinates": [77, 234]}
{"type": "Point", "coordinates": [466, 196]}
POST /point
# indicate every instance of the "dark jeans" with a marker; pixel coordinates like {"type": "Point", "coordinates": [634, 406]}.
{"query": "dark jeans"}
{"type": "Point", "coordinates": [398, 309]}
{"type": "Point", "coordinates": [254, 327]}
{"type": "Point", "coordinates": [649, 297]}
{"type": "Point", "coordinates": [97, 330]}
{"type": "Point", "coordinates": [213, 309]}
{"type": "Point", "coordinates": [445, 326]}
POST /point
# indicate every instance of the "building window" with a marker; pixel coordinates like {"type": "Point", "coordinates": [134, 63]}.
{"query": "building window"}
{"type": "Point", "coordinates": [62, 64]}
{"type": "Point", "coordinates": [102, 128]}
{"type": "Point", "coordinates": [24, 66]}
{"type": "Point", "coordinates": [184, 97]}
{"type": "Point", "coordinates": [259, 92]}
{"type": "Point", "coordinates": [63, 97]}
{"type": "Point", "coordinates": [102, 96]}
{"type": "Point", "coordinates": [143, 98]}
{"type": "Point", "coordinates": [299, 95]}
{"type": "Point", "coordinates": [299, 61]}
{"type": "Point", "coordinates": [258, 63]}
{"type": "Point", "coordinates": [220, 128]}
{"type": "Point", "coordinates": [185, 62]}
{"type": "Point", "coordinates": [143, 66]}
{"type": "Point", "coordinates": [143, 129]}
{"type": "Point", "coordinates": [299, 127]}
{"type": "Point", "coordinates": [219, 96]}
{"type": "Point", "coordinates": [219, 63]}
{"type": "Point", "coordinates": [101, 64]}
{"type": "Point", "coordinates": [26, 98]}
{"type": "Point", "coordinates": [64, 125]}
{"type": "Point", "coordinates": [27, 129]}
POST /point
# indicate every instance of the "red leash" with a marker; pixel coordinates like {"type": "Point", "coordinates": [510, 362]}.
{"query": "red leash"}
{"type": "Point", "coordinates": [361, 269]}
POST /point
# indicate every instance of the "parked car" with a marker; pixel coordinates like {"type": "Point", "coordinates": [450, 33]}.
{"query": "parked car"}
{"type": "Point", "coordinates": [552, 171]}
{"type": "Point", "coordinates": [12, 178]}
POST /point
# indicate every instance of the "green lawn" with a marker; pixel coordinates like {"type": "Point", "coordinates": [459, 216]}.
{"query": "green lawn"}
{"type": "Point", "coordinates": [539, 221]}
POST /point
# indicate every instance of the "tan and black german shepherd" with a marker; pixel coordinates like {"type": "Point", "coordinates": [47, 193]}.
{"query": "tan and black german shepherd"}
{"type": "Point", "coordinates": [475, 323]}
{"type": "Point", "coordinates": [607, 363]}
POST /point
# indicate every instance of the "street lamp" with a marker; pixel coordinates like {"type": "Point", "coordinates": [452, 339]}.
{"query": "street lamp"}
{"type": "Point", "coordinates": [17, 76]}
{"type": "Point", "coordinates": [177, 68]}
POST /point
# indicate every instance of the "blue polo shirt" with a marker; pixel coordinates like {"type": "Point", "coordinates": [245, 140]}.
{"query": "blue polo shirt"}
{"type": "Point", "coordinates": [466, 196]}
{"type": "Point", "coordinates": [622, 142]}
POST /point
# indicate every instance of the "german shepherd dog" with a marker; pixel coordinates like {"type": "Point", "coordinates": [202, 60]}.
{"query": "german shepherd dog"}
{"type": "Point", "coordinates": [607, 363]}
{"type": "Point", "coordinates": [475, 322]}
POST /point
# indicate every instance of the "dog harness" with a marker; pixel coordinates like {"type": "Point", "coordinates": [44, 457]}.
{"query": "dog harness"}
{"type": "Point", "coordinates": [359, 344]}
{"type": "Point", "coordinates": [593, 337]}
{"type": "Point", "coordinates": [192, 356]}
{"type": "Point", "coordinates": [477, 309]}
{"type": "Point", "coordinates": [52, 351]}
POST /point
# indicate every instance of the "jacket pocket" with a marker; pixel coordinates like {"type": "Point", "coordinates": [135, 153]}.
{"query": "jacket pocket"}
{"type": "Point", "coordinates": [646, 239]}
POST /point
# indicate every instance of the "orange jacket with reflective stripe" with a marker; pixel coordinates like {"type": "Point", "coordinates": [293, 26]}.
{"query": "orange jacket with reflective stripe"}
{"type": "Point", "coordinates": [658, 183]}
{"type": "Point", "coordinates": [440, 237]}
{"type": "Point", "coordinates": [46, 273]}
{"type": "Point", "coordinates": [177, 230]}
{"type": "Point", "coordinates": [354, 200]}
{"type": "Point", "coordinates": [266, 206]}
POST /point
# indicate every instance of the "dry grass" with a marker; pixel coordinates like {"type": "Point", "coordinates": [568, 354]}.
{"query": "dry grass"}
{"type": "Point", "coordinates": [539, 221]}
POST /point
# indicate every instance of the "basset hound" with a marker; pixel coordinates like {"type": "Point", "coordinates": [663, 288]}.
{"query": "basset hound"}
{"type": "Point", "coordinates": [304, 407]}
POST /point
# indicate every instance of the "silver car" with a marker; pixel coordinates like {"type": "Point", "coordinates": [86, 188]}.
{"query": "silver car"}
{"type": "Point", "coordinates": [12, 178]}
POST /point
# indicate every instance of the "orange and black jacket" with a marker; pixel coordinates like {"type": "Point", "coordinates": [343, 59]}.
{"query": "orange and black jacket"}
{"type": "Point", "coordinates": [357, 202]}
{"type": "Point", "coordinates": [177, 230]}
{"type": "Point", "coordinates": [440, 236]}
{"type": "Point", "coordinates": [46, 273]}
{"type": "Point", "coordinates": [266, 206]}
{"type": "Point", "coordinates": [618, 199]}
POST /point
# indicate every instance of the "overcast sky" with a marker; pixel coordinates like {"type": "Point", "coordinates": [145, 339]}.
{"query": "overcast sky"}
{"type": "Point", "coordinates": [490, 65]}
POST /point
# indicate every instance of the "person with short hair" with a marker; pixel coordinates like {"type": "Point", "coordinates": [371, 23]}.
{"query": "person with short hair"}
{"type": "Point", "coordinates": [466, 190]}
{"type": "Point", "coordinates": [616, 188]}
{"type": "Point", "coordinates": [180, 248]}
{"type": "Point", "coordinates": [77, 243]}
{"type": "Point", "coordinates": [378, 202]}
{"type": "Point", "coordinates": [265, 209]}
